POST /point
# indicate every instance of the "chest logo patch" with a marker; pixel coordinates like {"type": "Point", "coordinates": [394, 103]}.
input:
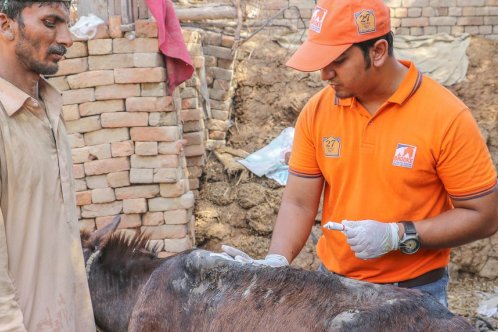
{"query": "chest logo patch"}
{"type": "Point", "coordinates": [404, 156]}
{"type": "Point", "coordinates": [331, 146]}
{"type": "Point", "coordinates": [317, 18]}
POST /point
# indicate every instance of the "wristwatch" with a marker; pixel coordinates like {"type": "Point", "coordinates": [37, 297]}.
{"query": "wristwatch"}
{"type": "Point", "coordinates": [410, 242]}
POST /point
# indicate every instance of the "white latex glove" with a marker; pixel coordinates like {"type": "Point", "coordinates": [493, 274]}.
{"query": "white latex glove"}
{"type": "Point", "coordinates": [273, 260]}
{"type": "Point", "coordinates": [370, 238]}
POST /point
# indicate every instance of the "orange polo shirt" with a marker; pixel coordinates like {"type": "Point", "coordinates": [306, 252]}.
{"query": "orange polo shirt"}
{"type": "Point", "coordinates": [403, 163]}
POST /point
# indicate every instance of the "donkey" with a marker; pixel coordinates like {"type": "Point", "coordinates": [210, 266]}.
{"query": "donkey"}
{"type": "Point", "coordinates": [134, 290]}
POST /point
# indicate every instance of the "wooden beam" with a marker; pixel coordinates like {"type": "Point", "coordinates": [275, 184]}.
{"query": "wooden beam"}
{"type": "Point", "coordinates": [126, 12]}
{"type": "Point", "coordinates": [205, 13]}
{"type": "Point", "coordinates": [97, 7]}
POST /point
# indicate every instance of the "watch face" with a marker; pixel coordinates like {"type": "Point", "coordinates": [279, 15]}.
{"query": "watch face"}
{"type": "Point", "coordinates": [410, 246]}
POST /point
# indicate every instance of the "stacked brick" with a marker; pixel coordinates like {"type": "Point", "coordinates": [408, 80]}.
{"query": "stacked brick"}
{"type": "Point", "coordinates": [219, 60]}
{"type": "Point", "coordinates": [409, 17]}
{"type": "Point", "coordinates": [428, 17]}
{"type": "Point", "coordinates": [193, 118]}
{"type": "Point", "coordinates": [126, 132]}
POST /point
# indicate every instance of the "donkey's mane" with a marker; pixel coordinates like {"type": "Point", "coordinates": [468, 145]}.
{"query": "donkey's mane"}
{"type": "Point", "coordinates": [122, 250]}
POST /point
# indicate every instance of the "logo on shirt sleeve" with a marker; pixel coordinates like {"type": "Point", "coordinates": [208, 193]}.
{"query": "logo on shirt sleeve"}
{"type": "Point", "coordinates": [404, 155]}
{"type": "Point", "coordinates": [331, 146]}
{"type": "Point", "coordinates": [317, 18]}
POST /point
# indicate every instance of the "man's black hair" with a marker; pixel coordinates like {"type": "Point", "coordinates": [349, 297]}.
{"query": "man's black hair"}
{"type": "Point", "coordinates": [13, 8]}
{"type": "Point", "coordinates": [367, 44]}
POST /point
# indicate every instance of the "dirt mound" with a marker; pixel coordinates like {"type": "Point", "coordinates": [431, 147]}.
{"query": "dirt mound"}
{"type": "Point", "coordinates": [238, 208]}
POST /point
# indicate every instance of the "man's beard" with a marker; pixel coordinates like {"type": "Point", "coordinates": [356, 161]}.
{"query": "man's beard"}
{"type": "Point", "coordinates": [24, 50]}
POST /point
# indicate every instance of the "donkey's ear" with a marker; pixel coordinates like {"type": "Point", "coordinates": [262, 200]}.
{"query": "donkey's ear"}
{"type": "Point", "coordinates": [99, 237]}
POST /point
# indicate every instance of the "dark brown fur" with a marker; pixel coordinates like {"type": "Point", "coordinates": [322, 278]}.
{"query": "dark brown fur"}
{"type": "Point", "coordinates": [134, 290]}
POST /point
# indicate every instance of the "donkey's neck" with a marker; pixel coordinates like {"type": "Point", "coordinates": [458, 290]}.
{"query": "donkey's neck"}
{"type": "Point", "coordinates": [114, 290]}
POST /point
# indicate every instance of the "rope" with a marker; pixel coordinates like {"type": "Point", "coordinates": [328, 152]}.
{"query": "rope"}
{"type": "Point", "coordinates": [89, 262]}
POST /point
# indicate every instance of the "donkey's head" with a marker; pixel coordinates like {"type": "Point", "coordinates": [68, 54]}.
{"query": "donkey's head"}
{"type": "Point", "coordinates": [91, 242]}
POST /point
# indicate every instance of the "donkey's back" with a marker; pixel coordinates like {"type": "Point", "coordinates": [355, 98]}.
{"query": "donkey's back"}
{"type": "Point", "coordinates": [200, 291]}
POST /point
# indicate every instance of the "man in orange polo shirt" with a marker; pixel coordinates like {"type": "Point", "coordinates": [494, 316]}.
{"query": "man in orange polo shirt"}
{"type": "Point", "coordinates": [400, 159]}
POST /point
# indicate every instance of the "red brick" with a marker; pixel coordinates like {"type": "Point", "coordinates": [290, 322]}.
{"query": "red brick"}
{"type": "Point", "coordinates": [134, 205]}
{"type": "Point", "coordinates": [107, 166]}
{"type": "Point", "coordinates": [91, 79]}
{"type": "Point", "coordinates": [117, 91]}
{"type": "Point", "coordinates": [127, 221]}
{"type": "Point", "coordinates": [72, 66]}
{"type": "Point", "coordinates": [153, 219]}
{"type": "Point", "coordinates": [111, 61]}
{"type": "Point", "coordinates": [149, 104]}
{"type": "Point", "coordinates": [146, 148]}
{"type": "Point", "coordinates": [115, 26]}
{"type": "Point", "coordinates": [103, 195]}
{"type": "Point", "coordinates": [78, 96]}
{"type": "Point", "coordinates": [160, 161]}
{"type": "Point", "coordinates": [147, 191]}
{"type": "Point", "coordinates": [145, 28]}
{"type": "Point", "coordinates": [190, 114]}
{"type": "Point", "coordinates": [139, 75]}
{"type": "Point", "coordinates": [122, 149]}
{"type": "Point", "coordinates": [70, 112]}
{"type": "Point", "coordinates": [78, 50]}
{"type": "Point", "coordinates": [99, 46]}
{"type": "Point", "coordinates": [106, 136]}
{"type": "Point", "coordinates": [146, 45]}
{"type": "Point", "coordinates": [78, 171]}
{"type": "Point", "coordinates": [84, 197]}
{"type": "Point", "coordinates": [150, 134]}
{"type": "Point", "coordinates": [175, 217]}
{"type": "Point", "coordinates": [165, 231]}
{"type": "Point", "coordinates": [124, 119]}
{"type": "Point", "coordinates": [103, 106]}
{"type": "Point", "coordinates": [118, 179]}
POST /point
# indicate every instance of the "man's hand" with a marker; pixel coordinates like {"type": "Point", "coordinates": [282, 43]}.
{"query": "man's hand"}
{"type": "Point", "coordinates": [370, 238]}
{"type": "Point", "coordinates": [272, 260]}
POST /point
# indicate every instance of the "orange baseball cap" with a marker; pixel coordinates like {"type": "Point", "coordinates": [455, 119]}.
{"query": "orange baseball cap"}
{"type": "Point", "coordinates": [335, 25]}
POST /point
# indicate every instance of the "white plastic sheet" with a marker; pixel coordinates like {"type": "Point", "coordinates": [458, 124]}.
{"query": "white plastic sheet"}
{"type": "Point", "coordinates": [442, 57]}
{"type": "Point", "coordinates": [489, 305]}
{"type": "Point", "coordinates": [270, 160]}
{"type": "Point", "coordinates": [86, 26]}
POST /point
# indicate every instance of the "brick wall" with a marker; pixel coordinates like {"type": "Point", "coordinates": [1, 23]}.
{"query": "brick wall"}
{"type": "Point", "coordinates": [428, 17]}
{"type": "Point", "coordinates": [409, 17]}
{"type": "Point", "coordinates": [125, 129]}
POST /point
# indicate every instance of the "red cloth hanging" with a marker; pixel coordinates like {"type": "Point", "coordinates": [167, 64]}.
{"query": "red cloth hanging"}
{"type": "Point", "coordinates": [178, 62]}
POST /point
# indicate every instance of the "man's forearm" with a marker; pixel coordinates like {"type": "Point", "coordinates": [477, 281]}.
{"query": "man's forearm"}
{"type": "Point", "coordinates": [291, 230]}
{"type": "Point", "coordinates": [467, 222]}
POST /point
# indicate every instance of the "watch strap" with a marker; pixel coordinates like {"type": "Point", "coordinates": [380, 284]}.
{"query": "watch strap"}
{"type": "Point", "coordinates": [409, 227]}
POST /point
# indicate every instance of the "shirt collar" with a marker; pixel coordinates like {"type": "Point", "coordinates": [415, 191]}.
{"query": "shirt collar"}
{"type": "Point", "coordinates": [13, 98]}
{"type": "Point", "coordinates": [409, 85]}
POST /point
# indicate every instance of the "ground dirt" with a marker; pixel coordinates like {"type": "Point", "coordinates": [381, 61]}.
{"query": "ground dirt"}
{"type": "Point", "coordinates": [238, 208]}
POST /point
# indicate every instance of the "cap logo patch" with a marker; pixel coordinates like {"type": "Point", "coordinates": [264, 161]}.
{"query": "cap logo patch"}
{"type": "Point", "coordinates": [331, 146]}
{"type": "Point", "coordinates": [365, 21]}
{"type": "Point", "coordinates": [317, 19]}
{"type": "Point", "coordinates": [404, 156]}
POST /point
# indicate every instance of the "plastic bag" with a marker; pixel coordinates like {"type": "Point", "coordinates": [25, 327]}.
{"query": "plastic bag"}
{"type": "Point", "coordinates": [271, 160]}
{"type": "Point", "coordinates": [489, 306]}
{"type": "Point", "coordinates": [86, 26]}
